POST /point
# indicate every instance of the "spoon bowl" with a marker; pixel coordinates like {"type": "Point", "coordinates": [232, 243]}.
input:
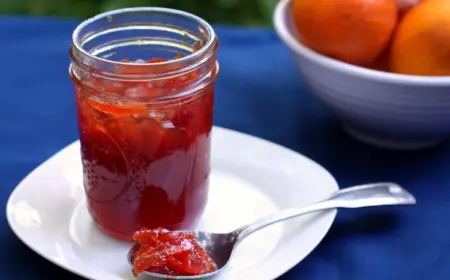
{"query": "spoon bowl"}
{"type": "Point", "coordinates": [220, 246]}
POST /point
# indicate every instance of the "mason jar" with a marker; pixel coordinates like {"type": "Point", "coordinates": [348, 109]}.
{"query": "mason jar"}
{"type": "Point", "coordinates": [144, 90]}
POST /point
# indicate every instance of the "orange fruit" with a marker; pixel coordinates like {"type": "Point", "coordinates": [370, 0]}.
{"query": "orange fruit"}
{"type": "Point", "coordinates": [381, 63]}
{"type": "Point", "coordinates": [406, 4]}
{"type": "Point", "coordinates": [353, 31]}
{"type": "Point", "coordinates": [421, 44]}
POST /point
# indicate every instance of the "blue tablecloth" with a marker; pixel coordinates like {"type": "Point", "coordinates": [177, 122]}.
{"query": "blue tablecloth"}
{"type": "Point", "coordinates": [258, 92]}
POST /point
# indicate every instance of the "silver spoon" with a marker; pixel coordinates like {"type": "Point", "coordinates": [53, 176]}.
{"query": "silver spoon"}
{"type": "Point", "coordinates": [220, 246]}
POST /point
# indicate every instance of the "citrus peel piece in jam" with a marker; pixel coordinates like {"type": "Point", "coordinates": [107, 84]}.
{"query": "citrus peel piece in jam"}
{"type": "Point", "coordinates": [170, 253]}
{"type": "Point", "coordinates": [116, 110]}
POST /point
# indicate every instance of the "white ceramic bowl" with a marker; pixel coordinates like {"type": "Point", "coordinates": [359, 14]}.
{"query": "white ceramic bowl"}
{"type": "Point", "coordinates": [382, 109]}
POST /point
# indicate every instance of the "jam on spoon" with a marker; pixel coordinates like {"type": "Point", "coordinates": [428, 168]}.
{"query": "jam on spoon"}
{"type": "Point", "coordinates": [170, 253]}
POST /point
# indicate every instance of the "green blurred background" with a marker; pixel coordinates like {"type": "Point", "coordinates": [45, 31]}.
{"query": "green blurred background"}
{"type": "Point", "coordinates": [235, 12]}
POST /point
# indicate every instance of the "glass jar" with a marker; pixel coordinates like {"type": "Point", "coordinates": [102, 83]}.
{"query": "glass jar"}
{"type": "Point", "coordinates": [144, 86]}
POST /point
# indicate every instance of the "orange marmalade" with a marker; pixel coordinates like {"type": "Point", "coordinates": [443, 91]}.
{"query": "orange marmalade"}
{"type": "Point", "coordinates": [144, 123]}
{"type": "Point", "coordinates": [170, 253]}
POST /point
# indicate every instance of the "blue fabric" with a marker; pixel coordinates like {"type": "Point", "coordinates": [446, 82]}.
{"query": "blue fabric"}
{"type": "Point", "coordinates": [258, 92]}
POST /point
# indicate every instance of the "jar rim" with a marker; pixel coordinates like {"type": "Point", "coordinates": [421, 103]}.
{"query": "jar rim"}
{"type": "Point", "coordinates": [202, 51]}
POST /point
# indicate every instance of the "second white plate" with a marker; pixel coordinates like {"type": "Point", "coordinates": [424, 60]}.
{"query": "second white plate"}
{"type": "Point", "coordinates": [250, 178]}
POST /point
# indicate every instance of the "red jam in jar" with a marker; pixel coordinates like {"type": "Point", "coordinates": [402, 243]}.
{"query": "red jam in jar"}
{"type": "Point", "coordinates": [145, 107]}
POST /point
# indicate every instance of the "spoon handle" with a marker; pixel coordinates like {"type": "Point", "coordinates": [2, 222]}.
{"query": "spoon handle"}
{"type": "Point", "coordinates": [376, 194]}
